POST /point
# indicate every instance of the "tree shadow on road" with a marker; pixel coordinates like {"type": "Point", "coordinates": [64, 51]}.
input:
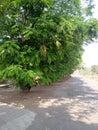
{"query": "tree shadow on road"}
{"type": "Point", "coordinates": [74, 107]}
{"type": "Point", "coordinates": [71, 105]}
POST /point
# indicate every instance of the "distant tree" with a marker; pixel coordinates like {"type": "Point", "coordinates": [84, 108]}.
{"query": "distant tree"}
{"type": "Point", "coordinates": [94, 69]}
{"type": "Point", "coordinates": [43, 39]}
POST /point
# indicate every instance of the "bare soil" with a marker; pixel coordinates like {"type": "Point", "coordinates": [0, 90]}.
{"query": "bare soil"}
{"type": "Point", "coordinates": [65, 105]}
{"type": "Point", "coordinates": [29, 100]}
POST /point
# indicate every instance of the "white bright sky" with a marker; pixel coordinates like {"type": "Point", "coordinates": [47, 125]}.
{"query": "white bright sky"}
{"type": "Point", "coordinates": [90, 56]}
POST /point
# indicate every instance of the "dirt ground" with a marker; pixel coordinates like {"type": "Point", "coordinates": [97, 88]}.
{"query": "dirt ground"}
{"type": "Point", "coordinates": [65, 105]}
{"type": "Point", "coordinates": [29, 100]}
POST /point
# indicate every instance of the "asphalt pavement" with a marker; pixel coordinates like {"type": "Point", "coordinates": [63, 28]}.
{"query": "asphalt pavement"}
{"type": "Point", "coordinates": [71, 105]}
{"type": "Point", "coordinates": [13, 118]}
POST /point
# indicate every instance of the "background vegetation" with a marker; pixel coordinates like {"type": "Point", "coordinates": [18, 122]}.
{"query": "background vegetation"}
{"type": "Point", "coordinates": [90, 72]}
{"type": "Point", "coordinates": [42, 40]}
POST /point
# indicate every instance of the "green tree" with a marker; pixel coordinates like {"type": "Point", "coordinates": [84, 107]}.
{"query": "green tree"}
{"type": "Point", "coordinates": [42, 39]}
{"type": "Point", "coordinates": [94, 69]}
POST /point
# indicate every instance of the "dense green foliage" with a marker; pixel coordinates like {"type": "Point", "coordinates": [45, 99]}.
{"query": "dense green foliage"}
{"type": "Point", "coordinates": [43, 38]}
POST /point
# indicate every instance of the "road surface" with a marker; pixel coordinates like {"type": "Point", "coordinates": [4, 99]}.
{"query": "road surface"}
{"type": "Point", "coordinates": [67, 105]}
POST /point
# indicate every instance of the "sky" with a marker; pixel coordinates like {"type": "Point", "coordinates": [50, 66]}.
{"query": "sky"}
{"type": "Point", "coordinates": [90, 56]}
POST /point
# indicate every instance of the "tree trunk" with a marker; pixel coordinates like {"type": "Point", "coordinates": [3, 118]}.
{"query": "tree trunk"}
{"type": "Point", "coordinates": [27, 88]}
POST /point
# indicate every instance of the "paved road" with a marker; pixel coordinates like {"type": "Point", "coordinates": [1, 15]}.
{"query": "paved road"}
{"type": "Point", "coordinates": [13, 118]}
{"type": "Point", "coordinates": [71, 105]}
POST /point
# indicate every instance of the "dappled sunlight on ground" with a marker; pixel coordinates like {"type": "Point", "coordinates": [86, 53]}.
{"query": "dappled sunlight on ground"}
{"type": "Point", "coordinates": [84, 111]}
{"type": "Point", "coordinates": [75, 101]}
{"type": "Point", "coordinates": [79, 110]}
{"type": "Point", "coordinates": [81, 104]}
{"type": "Point", "coordinates": [53, 102]}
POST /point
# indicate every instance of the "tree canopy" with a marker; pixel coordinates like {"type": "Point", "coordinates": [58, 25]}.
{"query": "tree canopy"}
{"type": "Point", "coordinates": [43, 38]}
